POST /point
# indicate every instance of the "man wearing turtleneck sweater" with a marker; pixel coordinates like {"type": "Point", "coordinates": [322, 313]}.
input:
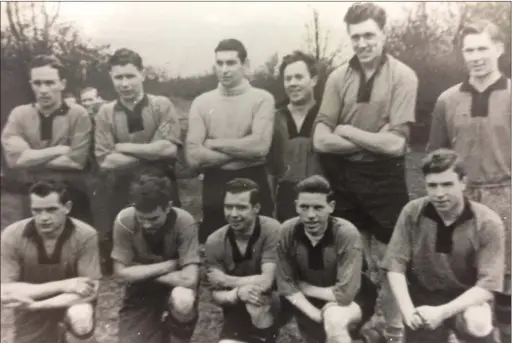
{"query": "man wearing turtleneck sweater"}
{"type": "Point", "coordinates": [229, 135]}
{"type": "Point", "coordinates": [473, 118]}
{"type": "Point", "coordinates": [291, 157]}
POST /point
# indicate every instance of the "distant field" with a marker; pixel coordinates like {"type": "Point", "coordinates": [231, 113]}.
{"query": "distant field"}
{"type": "Point", "coordinates": [210, 318]}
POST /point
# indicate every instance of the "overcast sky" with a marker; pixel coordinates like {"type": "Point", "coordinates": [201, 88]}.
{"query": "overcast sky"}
{"type": "Point", "coordinates": [181, 36]}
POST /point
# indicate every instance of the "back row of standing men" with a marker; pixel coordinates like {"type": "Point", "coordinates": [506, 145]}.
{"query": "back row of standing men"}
{"type": "Point", "coordinates": [357, 137]}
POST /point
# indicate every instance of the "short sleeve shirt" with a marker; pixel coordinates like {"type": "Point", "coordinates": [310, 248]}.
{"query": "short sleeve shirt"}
{"type": "Point", "coordinates": [69, 125]}
{"type": "Point", "coordinates": [387, 98]}
{"type": "Point", "coordinates": [222, 251]}
{"type": "Point", "coordinates": [455, 258]}
{"type": "Point", "coordinates": [153, 118]}
{"type": "Point", "coordinates": [175, 240]}
{"type": "Point", "coordinates": [477, 125]}
{"type": "Point", "coordinates": [335, 261]}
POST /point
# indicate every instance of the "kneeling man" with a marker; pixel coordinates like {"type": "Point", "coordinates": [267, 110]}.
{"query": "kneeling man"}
{"type": "Point", "coordinates": [445, 258]}
{"type": "Point", "coordinates": [50, 270]}
{"type": "Point", "coordinates": [156, 252]}
{"type": "Point", "coordinates": [241, 259]}
{"type": "Point", "coordinates": [319, 267]}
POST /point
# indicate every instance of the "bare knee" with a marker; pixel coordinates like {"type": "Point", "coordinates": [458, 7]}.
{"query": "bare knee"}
{"type": "Point", "coordinates": [182, 301]}
{"type": "Point", "coordinates": [80, 319]}
{"type": "Point", "coordinates": [339, 318]}
{"type": "Point", "coordinates": [477, 320]}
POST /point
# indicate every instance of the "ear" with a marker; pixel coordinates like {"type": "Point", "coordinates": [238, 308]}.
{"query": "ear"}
{"type": "Point", "coordinates": [247, 64]}
{"type": "Point", "coordinates": [314, 80]}
{"type": "Point", "coordinates": [500, 48]}
{"type": "Point", "coordinates": [464, 182]}
{"type": "Point", "coordinates": [332, 206]}
{"type": "Point", "coordinates": [64, 83]}
{"type": "Point", "coordinates": [169, 207]}
{"type": "Point", "coordinates": [68, 205]}
{"type": "Point", "coordinates": [257, 208]}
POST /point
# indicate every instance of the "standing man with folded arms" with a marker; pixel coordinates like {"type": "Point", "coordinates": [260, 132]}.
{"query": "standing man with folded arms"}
{"type": "Point", "coordinates": [50, 270]}
{"type": "Point", "coordinates": [474, 119]}
{"type": "Point", "coordinates": [361, 136]}
{"type": "Point", "coordinates": [50, 139]}
{"type": "Point", "coordinates": [291, 157]}
{"type": "Point", "coordinates": [229, 134]}
{"type": "Point", "coordinates": [133, 132]}
{"type": "Point", "coordinates": [445, 258]}
{"type": "Point", "coordinates": [156, 253]}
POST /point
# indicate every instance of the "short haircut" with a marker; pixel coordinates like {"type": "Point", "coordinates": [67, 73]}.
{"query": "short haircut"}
{"type": "Point", "coordinates": [315, 184]}
{"type": "Point", "coordinates": [48, 61]}
{"type": "Point", "coordinates": [122, 57]}
{"type": "Point", "coordinates": [232, 44]}
{"type": "Point", "coordinates": [88, 89]}
{"type": "Point", "coordinates": [45, 187]}
{"type": "Point", "coordinates": [362, 11]}
{"type": "Point", "coordinates": [297, 56]}
{"type": "Point", "coordinates": [441, 160]}
{"type": "Point", "coordinates": [241, 185]}
{"type": "Point", "coordinates": [149, 191]}
{"type": "Point", "coordinates": [479, 26]}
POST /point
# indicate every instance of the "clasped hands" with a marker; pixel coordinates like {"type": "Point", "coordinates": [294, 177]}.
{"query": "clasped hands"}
{"type": "Point", "coordinates": [426, 317]}
{"type": "Point", "coordinates": [251, 294]}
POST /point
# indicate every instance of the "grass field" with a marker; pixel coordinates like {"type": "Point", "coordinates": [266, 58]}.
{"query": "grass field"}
{"type": "Point", "coordinates": [209, 324]}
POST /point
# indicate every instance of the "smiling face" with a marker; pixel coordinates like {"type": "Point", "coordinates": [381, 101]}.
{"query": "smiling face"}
{"type": "Point", "coordinates": [314, 210]}
{"type": "Point", "coordinates": [47, 86]}
{"type": "Point", "coordinates": [367, 40]}
{"type": "Point", "coordinates": [481, 54]}
{"type": "Point", "coordinates": [239, 212]}
{"type": "Point", "coordinates": [445, 190]}
{"type": "Point", "coordinates": [229, 68]}
{"type": "Point", "coordinates": [298, 83]}
{"type": "Point", "coordinates": [127, 80]}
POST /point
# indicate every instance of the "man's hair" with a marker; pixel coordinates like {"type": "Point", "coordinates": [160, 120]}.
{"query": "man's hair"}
{"type": "Point", "coordinates": [297, 56]}
{"type": "Point", "coordinates": [45, 187]}
{"type": "Point", "coordinates": [315, 184]}
{"type": "Point", "coordinates": [441, 160]}
{"type": "Point", "coordinates": [150, 190]}
{"type": "Point", "coordinates": [48, 61]}
{"type": "Point", "coordinates": [122, 57]}
{"type": "Point", "coordinates": [478, 26]}
{"type": "Point", "coordinates": [241, 185]}
{"type": "Point", "coordinates": [362, 11]}
{"type": "Point", "coordinates": [88, 89]}
{"type": "Point", "coordinates": [232, 44]}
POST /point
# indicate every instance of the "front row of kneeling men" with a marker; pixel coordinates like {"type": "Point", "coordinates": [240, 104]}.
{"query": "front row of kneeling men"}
{"type": "Point", "coordinates": [443, 264]}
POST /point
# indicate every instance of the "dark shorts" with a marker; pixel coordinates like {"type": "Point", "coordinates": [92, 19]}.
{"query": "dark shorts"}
{"type": "Point", "coordinates": [313, 332]}
{"type": "Point", "coordinates": [237, 324]}
{"type": "Point", "coordinates": [144, 316]}
{"type": "Point", "coordinates": [214, 182]}
{"type": "Point", "coordinates": [424, 297]}
{"type": "Point", "coordinates": [370, 195]}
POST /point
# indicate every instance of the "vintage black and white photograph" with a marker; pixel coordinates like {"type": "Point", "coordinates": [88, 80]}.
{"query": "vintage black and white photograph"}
{"type": "Point", "coordinates": [255, 172]}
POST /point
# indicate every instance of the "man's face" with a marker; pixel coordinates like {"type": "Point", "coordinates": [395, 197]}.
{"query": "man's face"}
{"type": "Point", "coordinates": [150, 222]}
{"type": "Point", "coordinates": [127, 80]}
{"type": "Point", "coordinates": [298, 83]}
{"type": "Point", "coordinates": [481, 54]}
{"type": "Point", "coordinates": [239, 212]}
{"type": "Point", "coordinates": [367, 40]}
{"type": "Point", "coordinates": [230, 70]}
{"type": "Point", "coordinates": [445, 190]}
{"type": "Point", "coordinates": [91, 101]}
{"type": "Point", "coordinates": [314, 210]}
{"type": "Point", "coordinates": [48, 212]}
{"type": "Point", "coordinates": [47, 86]}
